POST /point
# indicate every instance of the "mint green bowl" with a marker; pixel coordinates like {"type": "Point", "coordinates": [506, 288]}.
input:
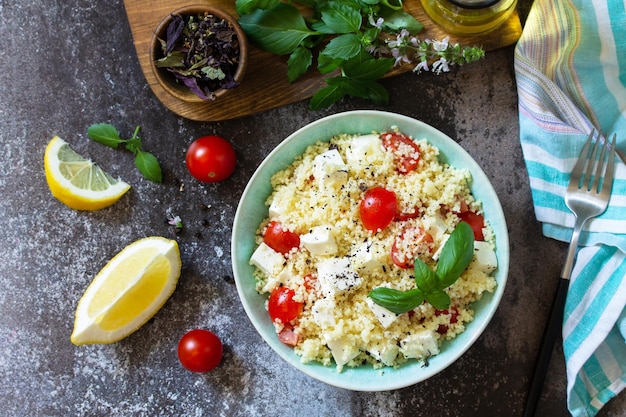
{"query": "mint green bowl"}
{"type": "Point", "coordinates": [252, 210]}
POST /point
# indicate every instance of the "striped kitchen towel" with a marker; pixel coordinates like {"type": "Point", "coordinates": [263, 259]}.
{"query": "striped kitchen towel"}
{"type": "Point", "coordinates": [570, 65]}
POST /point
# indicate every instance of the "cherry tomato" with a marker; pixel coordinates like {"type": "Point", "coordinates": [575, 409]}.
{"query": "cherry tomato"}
{"type": "Point", "coordinates": [279, 239]}
{"type": "Point", "coordinates": [288, 336]}
{"type": "Point", "coordinates": [200, 350]}
{"type": "Point", "coordinates": [378, 208]}
{"type": "Point", "coordinates": [282, 307]}
{"type": "Point", "coordinates": [477, 221]}
{"type": "Point", "coordinates": [210, 159]}
{"type": "Point", "coordinates": [406, 153]}
{"type": "Point", "coordinates": [411, 243]}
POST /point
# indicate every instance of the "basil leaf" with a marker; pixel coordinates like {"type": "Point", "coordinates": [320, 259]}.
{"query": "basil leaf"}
{"type": "Point", "coordinates": [397, 301]}
{"type": "Point", "coordinates": [377, 93]}
{"type": "Point", "coordinates": [326, 64]}
{"type": "Point", "coordinates": [343, 46]}
{"type": "Point", "coordinates": [456, 254]}
{"type": "Point", "coordinates": [392, 4]}
{"type": "Point", "coordinates": [278, 30]}
{"type": "Point", "coordinates": [326, 96]}
{"type": "Point", "coordinates": [425, 278]}
{"type": "Point", "coordinates": [438, 299]}
{"type": "Point", "coordinates": [341, 19]}
{"type": "Point", "coordinates": [297, 64]}
{"type": "Point", "coordinates": [365, 68]}
{"type": "Point", "coordinates": [247, 6]}
{"type": "Point", "coordinates": [398, 20]}
{"type": "Point", "coordinates": [105, 134]}
{"type": "Point", "coordinates": [149, 166]}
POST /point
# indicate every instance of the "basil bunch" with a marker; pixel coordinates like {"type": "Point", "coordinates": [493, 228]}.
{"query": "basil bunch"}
{"type": "Point", "coordinates": [353, 27]}
{"type": "Point", "coordinates": [455, 256]}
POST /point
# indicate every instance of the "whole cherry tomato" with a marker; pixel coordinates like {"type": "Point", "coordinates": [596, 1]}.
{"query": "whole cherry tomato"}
{"type": "Point", "coordinates": [200, 350]}
{"type": "Point", "coordinates": [378, 208]}
{"type": "Point", "coordinates": [405, 151]}
{"type": "Point", "coordinates": [281, 305]}
{"type": "Point", "coordinates": [211, 159]}
{"type": "Point", "coordinates": [279, 239]}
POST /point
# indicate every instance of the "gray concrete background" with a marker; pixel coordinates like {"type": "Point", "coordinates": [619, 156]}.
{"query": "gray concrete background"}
{"type": "Point", "coordinates": [65, 65]}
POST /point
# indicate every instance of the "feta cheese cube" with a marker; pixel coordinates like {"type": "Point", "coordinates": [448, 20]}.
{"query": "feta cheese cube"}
{"type": "Point", "coordinates": [436, 227]}
{"type": "Point", "coordinates": [342, 350]}
{"type": "Point", "coordinates": [420, 345]}
{"type": "Point", "coordinates": [277, 208]}
{"type": "Point", "coordinates": [363, 146]}
{"type": "Point", "coordinates": [386, 353]}
{"type": "Point", "coordinates": [368, 257]}
{"type": "Point", "coordinates": [442, 242]}
{"type": "Point", "coordinates": [484, 257]}
{"type": "Point", "coordinates": [319, 241]}
{"type": "Point", "coordinates": [267, 260]}
{"type": "Point", "coordinates": [329, 169]}
{"type": "Point", "coordinates": [274, 281]}
{"type": "Point", "coordinates": [384, 316]}
{"type": "Point", "coordinates": [323, 312]}
{"type": "Point", "coordinates": [336, 277]}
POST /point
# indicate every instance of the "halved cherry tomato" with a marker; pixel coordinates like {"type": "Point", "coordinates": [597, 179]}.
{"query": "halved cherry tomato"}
{"type": "Point", "coordinates": [281, 305]}
{"type": "Point", "coordinates": [411, 243]}
{"type": "Point", "coordinates": [279, 239]}
{"type": "Point", "coordinates": [210, 159]}
{"type": "Point", "coordinates": [288, 335]}
{"type": "Point", "coordinates": [200, 350]}
{"type": "Point", "coordinates": [378, 208]}
{"type": "Point", "coordinates": [476, 221]}
{"type": "Point", "coordinates": [406, 153]}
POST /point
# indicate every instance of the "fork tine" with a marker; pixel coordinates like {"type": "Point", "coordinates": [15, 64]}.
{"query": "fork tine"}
{"type": "Point", "coordinates": [577, 171]}
{"type": "Point", "coordinates": [600, 166]}
{"type": "Point", "coordinates": [607, 182]}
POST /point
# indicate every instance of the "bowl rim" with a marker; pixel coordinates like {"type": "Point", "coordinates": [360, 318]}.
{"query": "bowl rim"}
{"type": "Point", "coordinates": [361, 378]}
{"type": "Point", "coordinates": [166, 82]}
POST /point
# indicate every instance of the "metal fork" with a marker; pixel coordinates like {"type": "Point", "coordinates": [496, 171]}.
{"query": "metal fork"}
{"type": "Point", "coordinates": [587, 196]}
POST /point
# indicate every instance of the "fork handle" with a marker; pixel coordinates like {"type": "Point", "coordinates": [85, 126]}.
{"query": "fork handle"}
{"type": "Point", "coordinates": [551, 331]}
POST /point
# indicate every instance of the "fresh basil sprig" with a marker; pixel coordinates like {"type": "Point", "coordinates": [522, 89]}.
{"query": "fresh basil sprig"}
{"type": "Point", "coordinates": [281, 29]}
{"type": "Point", "coordinates": [145, 162]}
{"type": "Point", "coordinates": [456, 255]}
{"type": "Point", "coordinates": [361, 40]}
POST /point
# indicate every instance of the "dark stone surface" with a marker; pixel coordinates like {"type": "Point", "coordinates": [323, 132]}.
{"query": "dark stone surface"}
{"type": "Point", "coordinates": [65, 65]}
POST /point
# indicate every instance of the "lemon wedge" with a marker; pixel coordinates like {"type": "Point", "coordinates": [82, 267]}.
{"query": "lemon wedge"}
{"type": "Point", "coordinates": [78, 182]}
{"type": "Point", "coordinates": [128, 291]}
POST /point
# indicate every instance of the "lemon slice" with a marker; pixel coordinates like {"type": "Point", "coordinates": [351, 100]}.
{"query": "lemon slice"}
{"type": "Point", "coordinates": [77, 181]}
{"type": "Point", "coordinates": [128, 291]}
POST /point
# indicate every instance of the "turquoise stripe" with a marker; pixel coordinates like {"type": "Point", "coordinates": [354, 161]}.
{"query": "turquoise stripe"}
{"type": "Point", "coordinates": [547, 173]}
{"type": "Point", "coordinates": [577, 291]}
{"type": "Point", "coordinates": [549, 200]}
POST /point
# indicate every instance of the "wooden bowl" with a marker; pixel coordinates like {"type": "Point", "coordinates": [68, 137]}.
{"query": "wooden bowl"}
{"type": "Point", "coordinates": [167, 79]}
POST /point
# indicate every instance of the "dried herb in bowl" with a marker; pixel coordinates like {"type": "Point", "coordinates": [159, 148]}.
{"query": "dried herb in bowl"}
{"type": "Point", "coordinates": [202, 51]}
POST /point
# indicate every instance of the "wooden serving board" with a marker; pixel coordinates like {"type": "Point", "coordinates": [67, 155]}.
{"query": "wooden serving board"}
{"type": "Point", "coordinates": [265, 84]}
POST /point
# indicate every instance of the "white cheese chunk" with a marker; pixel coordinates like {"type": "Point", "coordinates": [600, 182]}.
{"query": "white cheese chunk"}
{"type": "Point", "coordinates": [367, 258]}
{"type": "Point", "coordinates": [384, 316]}
{"type": "Point", "coordinates": [336, 277]}
{"type": "Point", "coordinates": [277, 208]}
{"type": "Point", "coordinates": [484, 257]}
{"type": "Point", "coordinates": [442, 242]}
{"type": "Point", "coordinates": [274, 281]}
{"type": "Point", "coordinates": [329, 169]}
{"type": "Point", "coordinates": [420, 345]}
{"type": "Point", "coordinates": [267, 260]}
{"type": "Point", "coordinates": [363, 147]}
{"type": "Point", "coordinates": [436, 227]}
{"type": "Point", "coordinates": [342, 350]}
{"type": "Point", "coordinates": [386, 353]}
{"type": "Point", "coordinates": [319, 241]}
{"type": "Point", "coordinates": [323, 312]}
